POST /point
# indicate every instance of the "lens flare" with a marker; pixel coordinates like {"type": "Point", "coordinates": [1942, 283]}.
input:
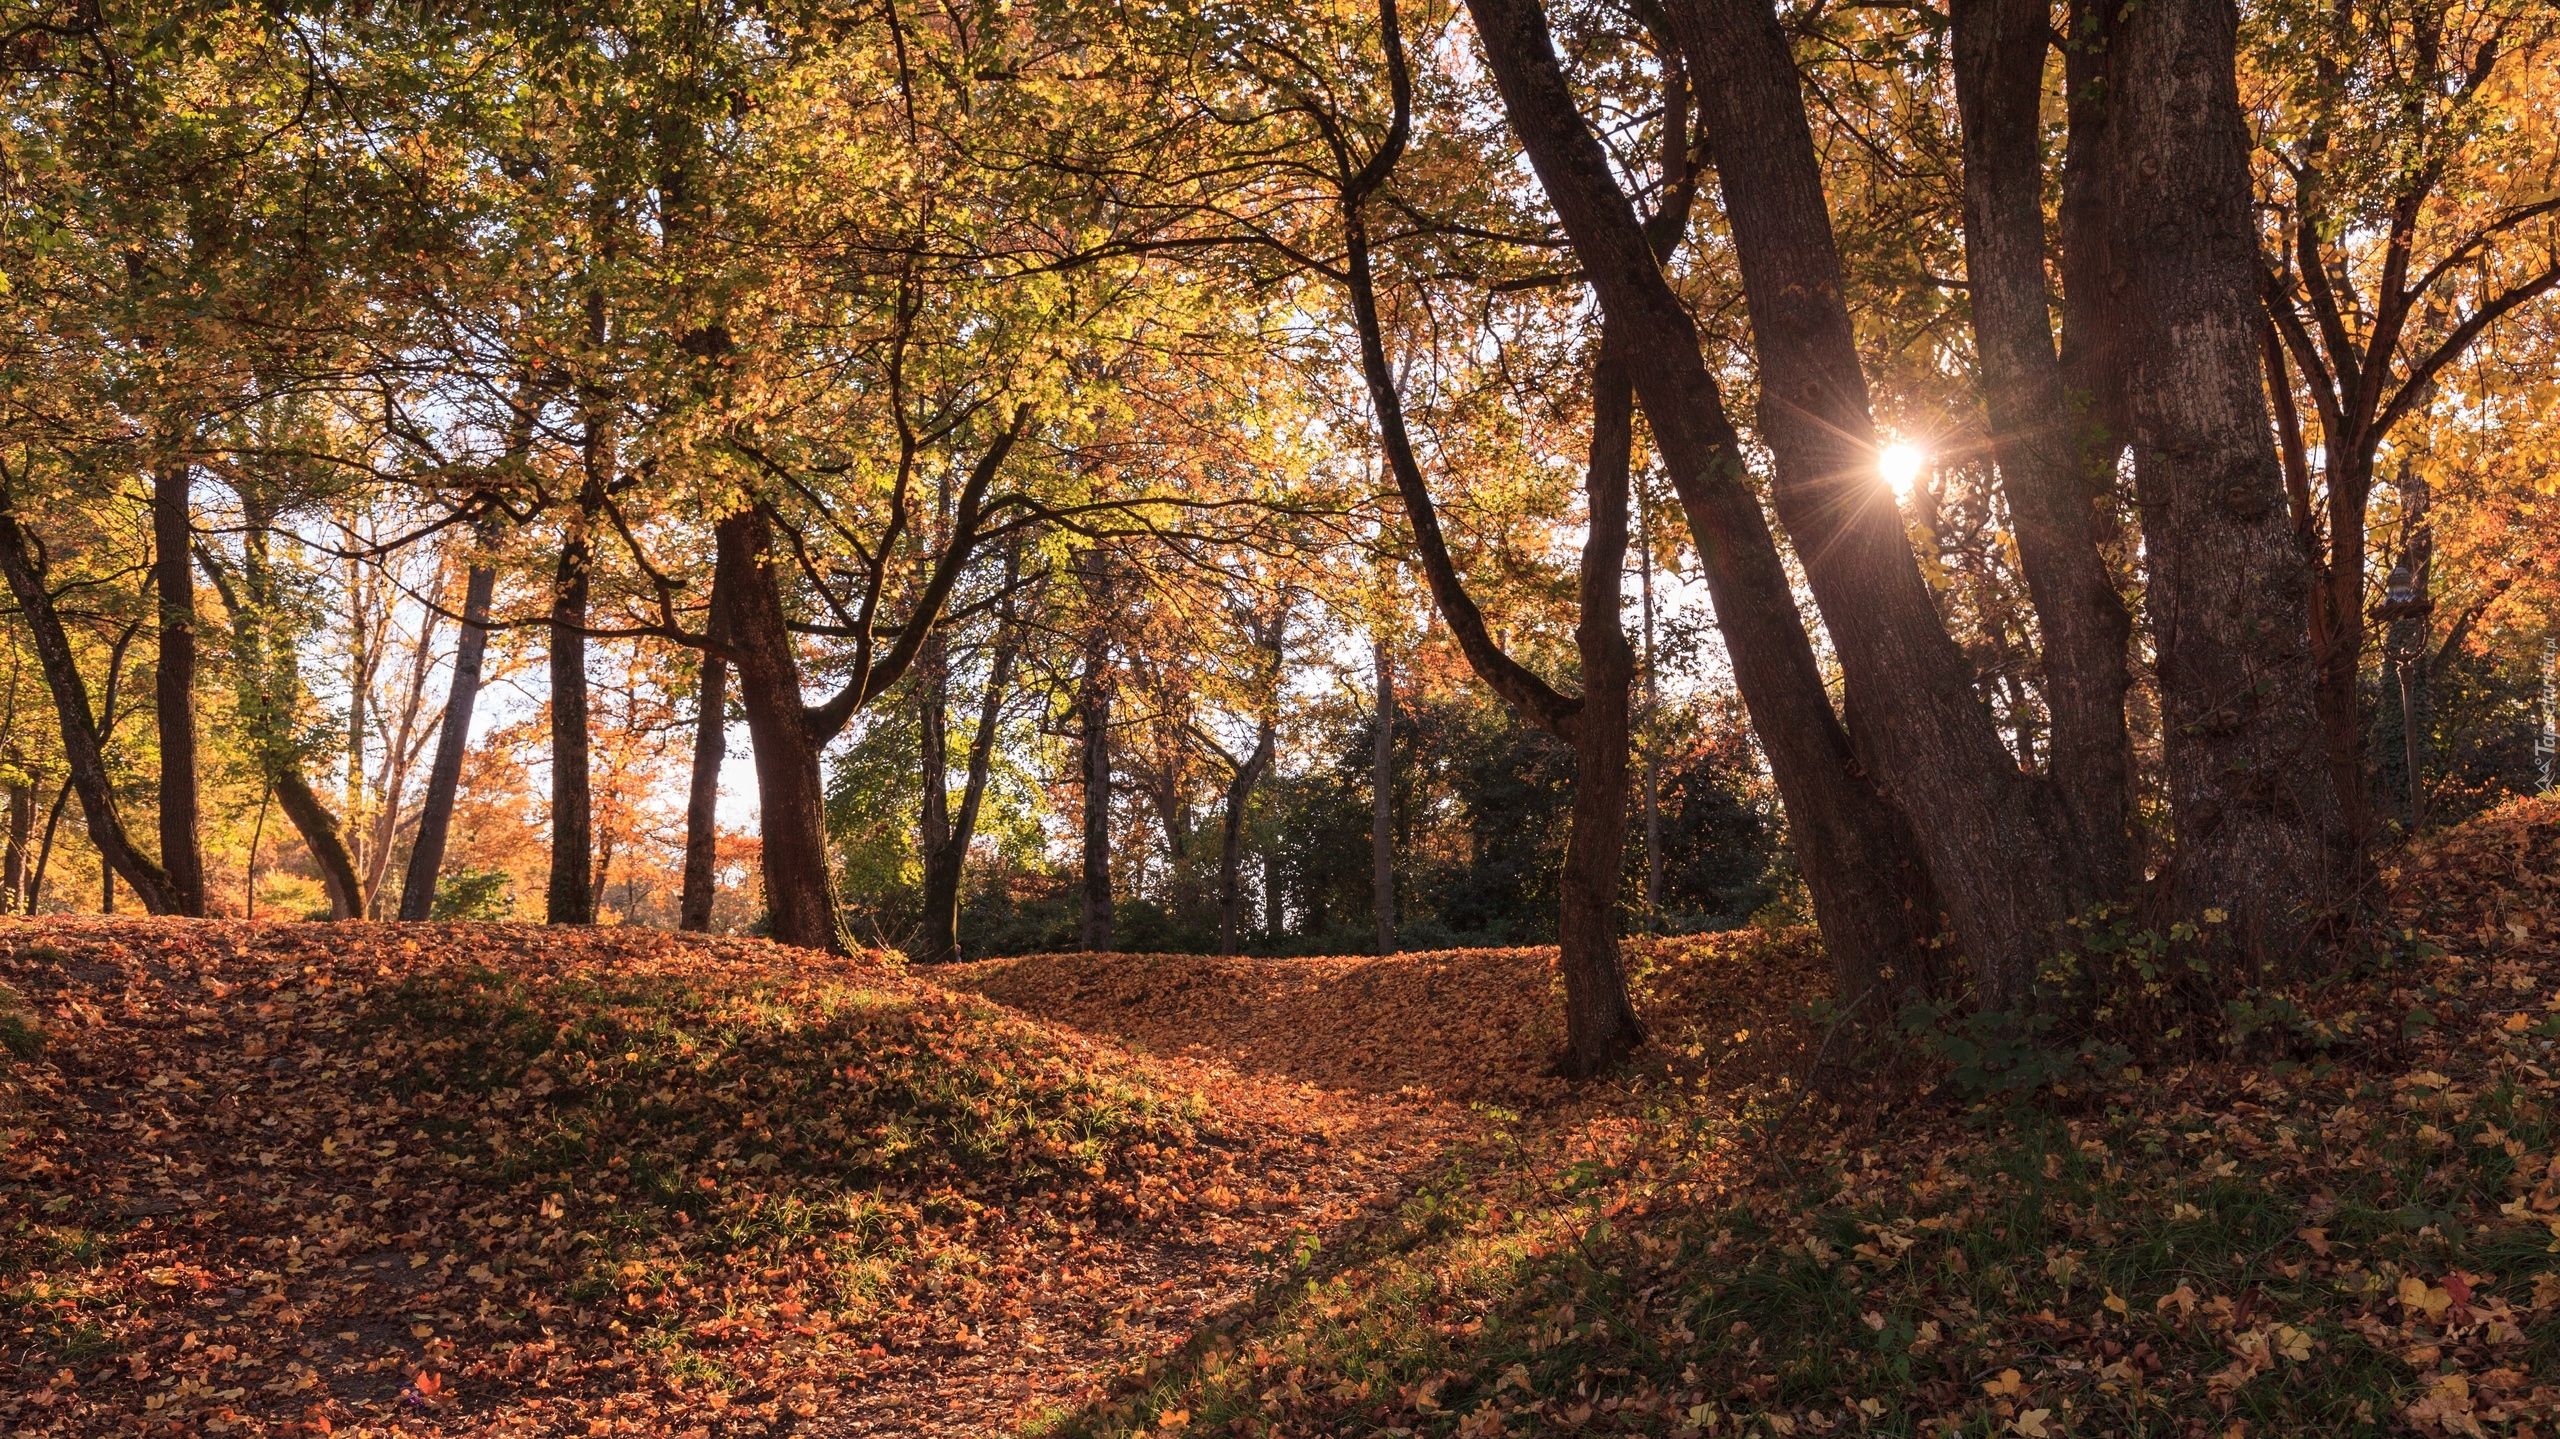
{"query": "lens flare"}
{"type": "Point", "coordinates": [1900, 464]}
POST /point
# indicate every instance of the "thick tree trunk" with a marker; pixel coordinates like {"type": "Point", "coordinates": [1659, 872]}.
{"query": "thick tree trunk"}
{"type": "Point", "coordinates": [2338, 631]}
{"type": "Point", "coordinates": [2258, 826]}
{"type": "Point", "coordinates": [799, 883]}
{"type": "Point", "coordinates": [174, 686]}
{"type": "Point", "coordinates": [570, 896]}
{"type": "Point", "coordinates": [444, 777]}
{"type": "Point", "coordinates": [1987, 831]}
{"type": "Point", "coordinates": [702, 801]}
{"type": "Point", "coordinates": [1858, 855]}
{"type": "Point", "coordinates": [1600, 1024]}
{"type": "Point", "coordinates": [82, 749]}
{"type": "Point", "coordinates": [2000, 49]}
{"type": "Point", "coordinates": [1382, 792]}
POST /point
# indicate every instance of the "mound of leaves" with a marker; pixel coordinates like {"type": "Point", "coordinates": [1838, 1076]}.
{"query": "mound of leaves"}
{"type": "Point", "coordinates": [2356, 1238]}
{"type": "Point", "coordinates": [309, 1178]}
{"type": "Point", "coordinates": [1465, 1025]}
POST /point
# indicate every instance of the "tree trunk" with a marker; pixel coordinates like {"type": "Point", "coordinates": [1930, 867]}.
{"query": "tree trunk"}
{"type": "Point", "coordinates": [444, 778]}
{"type": "Point", "coordinates": [570, 898]}
{"type": "Point", "coordinates": [702, 801]}
{"type": "Point", "coordinates": [1600, 1024]}
{"type": "Point", "coordinates": [799, 883]}
{"type": "Point", "coordinates": [1382, 791]}
{"type": "Point", "coordinates": [322, 836]}
{"type": "Point", "coordinates": [174, 687]}
{"type": "Point", "coordinates": [2258, 826]}
{"type": "Point", "coordinates": [947, 864]}
{"type": "Point", "coordinates": [2337, 628]}
{"type": "Point", "coordinates": [13, 869]}
{"type": "Point", "coordinates": [1095, 718]}
{"type": "Point", "coordinates": [82, 749]}
{"type": "Point", "coordinates": [2000, 48]}
{"type": "Point", "coordinates": [937, 936]}
{"type": "Point", "coordinates": [1240, 787]}
{"type": "Point", "coordinates": [1858, 856]}
{"type": "Point", "coordinates": [1986, 830]}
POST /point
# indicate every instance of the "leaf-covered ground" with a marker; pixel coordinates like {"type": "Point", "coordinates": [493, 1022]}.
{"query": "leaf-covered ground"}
{"type": "Point", "coordinates": [312, 1179]}
{"type": "Point", "coordinates": [2347, 1223]}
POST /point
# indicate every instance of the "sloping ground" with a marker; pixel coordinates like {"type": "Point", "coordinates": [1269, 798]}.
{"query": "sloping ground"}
{"type": "Point", "coordinates": [1460, 1025]}
{"type": "Point", "coordinates": [313, 1179]}
{"type": "Point", "coordinates": [2343, 1218]}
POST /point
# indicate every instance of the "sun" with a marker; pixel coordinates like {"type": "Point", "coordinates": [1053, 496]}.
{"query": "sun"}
{"type": "Point", "coordinates": [1900, 463]}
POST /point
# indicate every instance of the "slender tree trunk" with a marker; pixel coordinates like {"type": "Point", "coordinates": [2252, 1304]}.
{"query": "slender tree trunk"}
{"type": "Point", "coordinates": [1095, 718]}
{"type": "Point", "coordinates": [322, 836]}
{"type": "Point", "coordinates": [2000, 48]}
{"type": "Point", "coordinates": [173, 573]}
{"type": "Point", "coordinates": [82, 749]}
{"type": "Point", "coordinates": [1859, 857]}
{"type": "Point", "coordinates": [799, 882]}
{"type": "Point", "coordinates": [933, 821]}
{"type": "Point", "coordinates": [702, 802]}
{"type": "Point", "coordinates": [2337, 628]}
{"type": "Point", "coordinates": [2259, 832]}
{"type": "Point", "coordinates": [1382, 790]}
{"type": "Point", "coordinates": [444, 778]}
{"type": "Point", "coordinates": [13, 870]}
{"type": "Point", "coordinates": [946, 864]}
{"type": "Point", "coordinates": [1652, 734]}
{"type": "Point", "coordinates": [1987, 831]}
{"type": "Point", "coordinates": [1599, 1021]}
{"type": "Point", "coordinates": [398, 758]}
{"type": "Point", "coordinates": [1231, 911]}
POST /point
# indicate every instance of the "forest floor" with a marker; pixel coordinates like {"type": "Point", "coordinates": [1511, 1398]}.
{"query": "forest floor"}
{"type": "Point", "coordinates": [309, 1179]}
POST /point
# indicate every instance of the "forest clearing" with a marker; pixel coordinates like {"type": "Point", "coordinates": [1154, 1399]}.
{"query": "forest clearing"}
{"type": "Point", "coordinates": [292, 1179]}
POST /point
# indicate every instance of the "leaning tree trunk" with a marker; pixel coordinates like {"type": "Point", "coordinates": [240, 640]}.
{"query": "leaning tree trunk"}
{"type": "Point", "coordinates": [702, 801]}
{"type": "Point", "coordinates": [82, 749]}
{"type": "Point", "coordinates": [22, 823]}
{"type": "Point", "coordinates": [799, 884]}
{"type": "Point", "coordinates": [2000, 48]}
{"type": "Point", "coordinates": [1599, 1021]}
{"type": "Point", "coordinates": [1858, 855]}
{"type": "Point", "coordinates": [444, 777]}
{"type": "Point", "coordinates": [1999, 859]}
{"type": "Point", "coordinates": [2259, 834]}
{"type": "Point", "coordinates": [174, 687]}
{"type": "Point", "coordinates": [946, 863]}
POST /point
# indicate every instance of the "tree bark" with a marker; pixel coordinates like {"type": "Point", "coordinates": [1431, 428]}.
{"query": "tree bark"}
{"type": "Point", "coordinates": [799, 881]}
{"type": "Point", "coordinates": [82, 748]}
{"type": "Point", "coordinates": [1859, 857]}
{"type": "Point", "coordinates": [2258, 826]}
{"type": "Point", "coordinates": [1382, 791]}
{"type": "Point", "coordinates": [1600, 1023]}
{"type": "Point", "coordinates": [1240, 787]}
{"type": "Point", "coordinates": [444, 778]}
{"type": "Point", "coordinates": [1986, 830]}
{"type": "Point", "coordinates": [1094, 717]}
{"type": "Point", "coordinates": [702, 801]}
{"type": "Point", "coordinates": [570, 896]}
{"type": "Point", "coordinates": [174, 685]}
{"type": "Point", "coordinates": [2000, 48]}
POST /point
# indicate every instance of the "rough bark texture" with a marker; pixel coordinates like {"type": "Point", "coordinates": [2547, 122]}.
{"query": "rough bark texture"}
{"type": "Point", "coordinates": [2257, 822]}
{"type": "Point", "coordinates": [570, 897]}
{"type": "Point", "coordinates": [322, 835]}
{"type": "Point", "coordinates": [174, 685]}
{"type": "Point", "coordinates": [702, 801]}
{"type": "Point", "coordinates": [1382, 809]}
{"type": "Point", "coordinates": [444, 777]}
{"type": "Point", "coordinates": [1600, 1023]}
{"type": "Point", "coordinates": [799, 884]}
{"type": "Point", "coordinates": [2000, 49]}
{"type": "Point", "coordinates": [1859, 858]}
{"type": "Point", "coordinates": [1987, 831]}
{"type": "Point", "coordinates": [81, 748]}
